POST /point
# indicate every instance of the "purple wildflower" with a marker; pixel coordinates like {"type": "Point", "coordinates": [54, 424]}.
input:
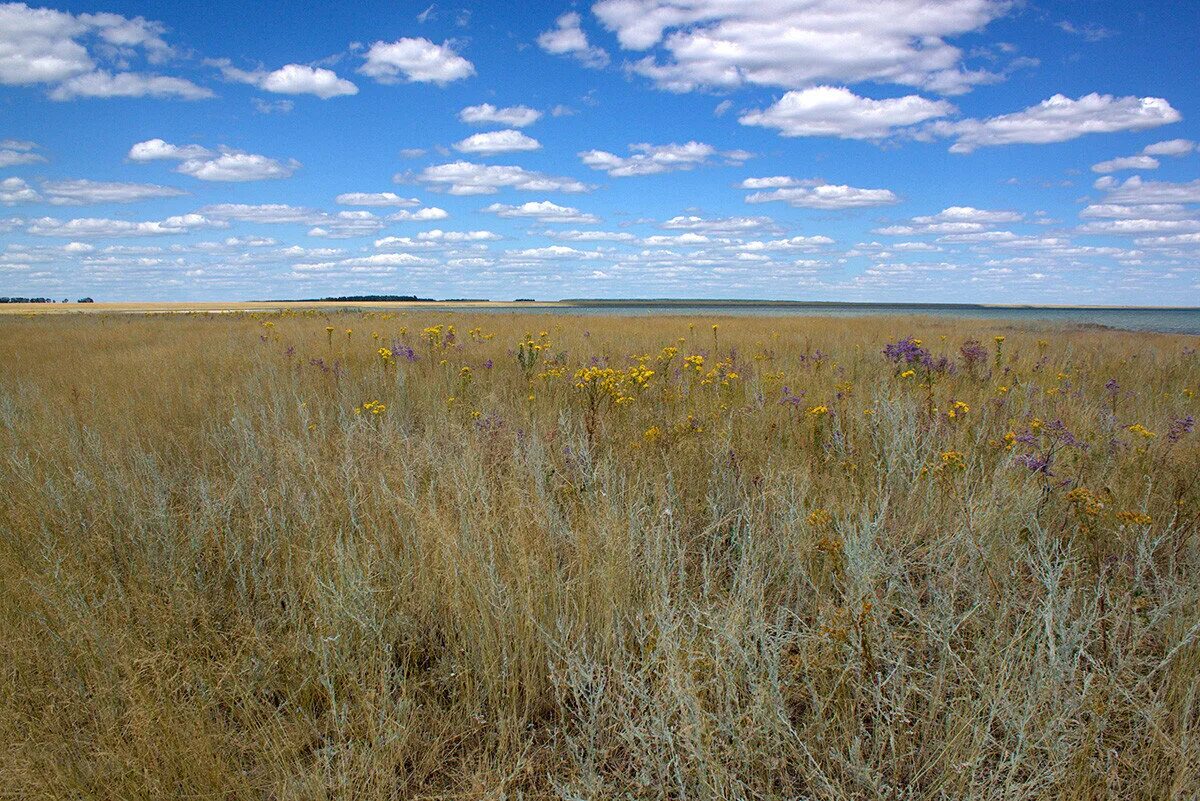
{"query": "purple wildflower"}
{"type": "Point", "coordinates": [791, 399]}
{"type": "Point", "coordinates": [973, 353]}
{"type": "Point", "coordinates": [907, 352]}
{"type": "Point", "coordinates": [1035, 463]}
{"type": "Point", "coordinates": [1183, 425]}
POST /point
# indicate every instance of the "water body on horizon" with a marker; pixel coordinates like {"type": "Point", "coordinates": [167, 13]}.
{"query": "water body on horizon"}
{"type": "Point", "coordinates": [1170, 321]}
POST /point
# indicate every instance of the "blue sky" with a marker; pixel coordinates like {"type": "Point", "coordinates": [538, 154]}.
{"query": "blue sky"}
{"type": "Point", "coordinates": [899, 150]}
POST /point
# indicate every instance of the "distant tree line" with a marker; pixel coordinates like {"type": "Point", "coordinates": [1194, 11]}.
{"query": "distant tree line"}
{"type": "Point", "coordinates": [42, 300]}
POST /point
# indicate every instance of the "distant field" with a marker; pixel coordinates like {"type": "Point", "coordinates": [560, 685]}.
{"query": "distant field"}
{"type": "Point", "coordinates": [407, 553]}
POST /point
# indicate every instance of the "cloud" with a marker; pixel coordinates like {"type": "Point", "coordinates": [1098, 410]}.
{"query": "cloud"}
{"type": "Point", "coordinates": [492, 142]}
{"type": "Point", "coordinates": [1136, 191]}
{"type": "Point", "coordinates": [271, 106]}
{"type": "Point", "coordinates": [83, 192]}
{"type": "Point", "coordinates": [542, 211]}
{"type": "Point", "coordinates": [65, 51]}
{"type": "Point", "coordinates": [720, 225]}
{"type": "Point", "coordinates": [418, 60]}
{"type": "Point", "coordinates": [375, 199]}
{"type": "Point", "coordinates": [1171, 147]}
{"type": "Point", "coordinates": [157, 149]}
{"type": "Point", "coordinates": [651, 159]}
{"type": "Point", "coordinates": [970, 214]}
{"type": "Point", "coordinates": [347, 225]}
{"type": "Point", "coordinates": [1089, 31]}
{"type": "Point", "coordinates": [420, 215]}
{"type": "Point", "coordinates": [438, 235]}
{"type": "Point", "coordinates": [1126, 163]}
{"type": "Point", "coordinates": [1059, 119]}
{"type": "Point", "coordinates": [290, 79]}
{"type": "Point", "coordinates": [798, 43]}
{"type": "Point", "coordinates": [234, 165]}
{"type": "Point", "coordinates": [567, 38]}
{"type": "Point", "coordinates": [954, 221]}
{"type": "Point", "coordinates": [93, 228]}
{"type": "Point", "coordinates": [15, 190]}
{"type": "Point", "coordinates": [341, 225]}
{"type": "Point", "coordinates": [377, 263]}
{"type": "Point", "coordinates": [271, 213]}
{"type": "Point", "coordinates": [512, 116]}
{"type": "Point", "coordinates": [128, 84]}
{"type": "Point", "coordinates": [836, 111]}
{"type": "Point", "coordinates": [553, 252]}
{"type": "Point", "coordinates": [1171, 240]}
{"type": "Point", "coordinates": [816, 194]}
{"type": "Point", "coordinates": [590, 236]}
{"type": "Point", "coordinates": [467, 178]}
{"type": "Point", "coordinates": [1138, 226]}
{"type": "Point", "coordinates": [16, 151]}
{"type": "Point", "coordinates": [1157, 211]}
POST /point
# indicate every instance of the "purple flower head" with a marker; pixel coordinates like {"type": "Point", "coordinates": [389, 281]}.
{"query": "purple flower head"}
{"type": "Point", "coordinates": [907, 352]}
{"type": "Point", "coordinates": [489, 423]}
{"type": "Point", "coordinates": [487, 365]}
{"type": "Point", "coordinates": [973, 353]}
{"type": "Point", "coordinates": [1058, 430]}
{"type": "Point", "coordinates": [1183, 425]}
{"type": "Point", "coordinates": [401, 349]}
{"type": "Point", "coordinates": [1112, 386]}
{"type": "Point", "coordinates": [791, 399]}
{"type": "Point", "coordinates": [1035, 463]}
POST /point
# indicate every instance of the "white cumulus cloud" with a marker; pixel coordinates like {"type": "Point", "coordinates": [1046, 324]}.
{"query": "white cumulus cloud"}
{"type": "Point", "coordinates": [542, 211]}
{"type": "Point", "coordinates": [128, 84]}
{"type": "Point", "coordinates": [93, 227]}
{"type": "Point", "coordinates": [157, 149]}
{"type": "Point", "coordinates": [816, 194]}
{"type": "Point", "coordinates": [836, 111]}
{"type": "Point", "coordinates": [1059, 119]}
{"type": "Point", "coordinates": [492, 142]}
{"type": "Point", "coordinates": [799, 43]}
{"type": "Point", "coordinates": [420, 215]}
{"type": "Point", "coordinates": [83, 192]}
{"type": "Point", "coordinates": [75, 54]}
{"type": "Point", "coordinates": [375, 199]}
{"type": "Point", "coordinates": [568, 38]}
{"type": "Point", "coordinates": [291, 79]}
{"type": "Point", "coordinates": [468, 178]}
{"type": "Point", "coordinates": [226, 165]}
{"type": "Point", "coordinates": [15, 190]}
{"type": "Point", "coordinates": [1171, 147]}
{"type": "Point", "coordinates": [416, 60]}
{"type": "Point", "coordinates": [647, 159]}
{"type": "Point", "coordinates": [17, 151]}
{"type": "Point", "coordinates": [1126, 163]}
{"type": "Point", "coordinates": [512, 116]}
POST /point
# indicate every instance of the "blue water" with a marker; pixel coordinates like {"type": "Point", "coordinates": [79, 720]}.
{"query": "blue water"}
{"type": "Point", "coordinates": [1174, 321]}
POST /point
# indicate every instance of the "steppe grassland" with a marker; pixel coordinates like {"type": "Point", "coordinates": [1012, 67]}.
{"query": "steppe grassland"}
{"type": "Point", "coordinates": [403, 555]}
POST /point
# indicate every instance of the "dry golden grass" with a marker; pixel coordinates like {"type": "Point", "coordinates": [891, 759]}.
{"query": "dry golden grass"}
{"type": "Point", "coordinates": [244, 556]}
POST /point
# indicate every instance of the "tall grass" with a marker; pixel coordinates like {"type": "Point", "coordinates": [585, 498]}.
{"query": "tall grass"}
{"type": "Point", "coordinates": [248, 555]}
